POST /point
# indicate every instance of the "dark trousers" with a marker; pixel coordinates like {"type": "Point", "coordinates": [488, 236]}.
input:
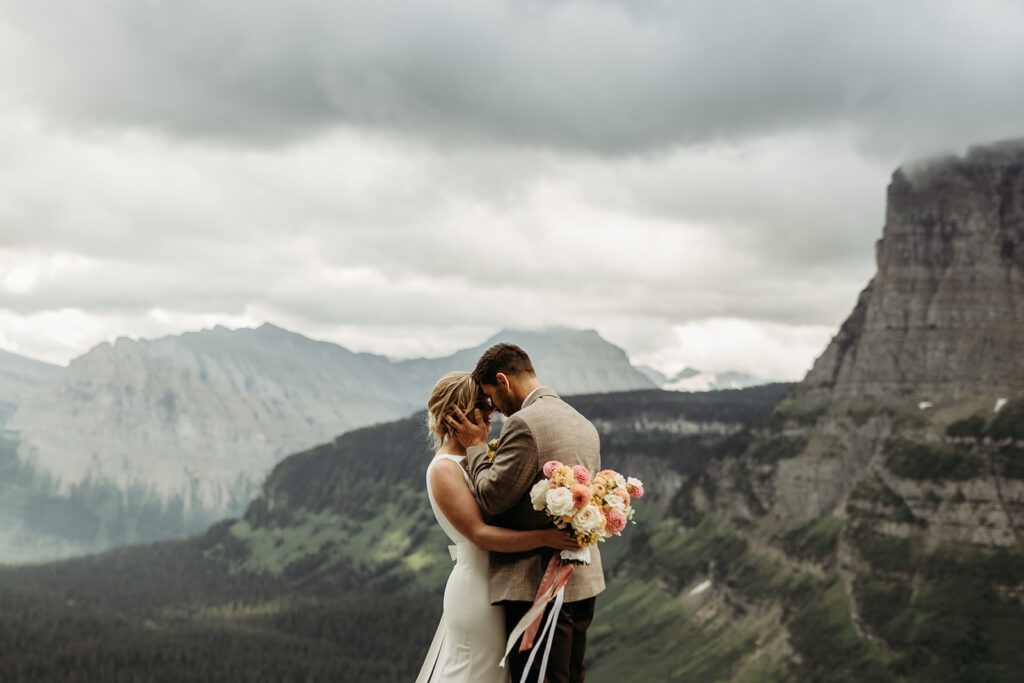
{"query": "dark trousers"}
{"type": "Point", "coordinates": [565, 664]}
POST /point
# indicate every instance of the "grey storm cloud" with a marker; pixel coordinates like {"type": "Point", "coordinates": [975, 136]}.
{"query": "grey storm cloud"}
{"type": "Point", "coordinates": [641, 166]}
{"type": "Point", "coordinates": [598, 76]}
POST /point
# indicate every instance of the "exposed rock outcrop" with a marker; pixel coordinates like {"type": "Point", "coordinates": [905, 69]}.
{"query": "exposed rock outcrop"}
{"type": "Point", "coordinates": [944, 316]}
{"type": "Point", "coordinates": [896, 468]}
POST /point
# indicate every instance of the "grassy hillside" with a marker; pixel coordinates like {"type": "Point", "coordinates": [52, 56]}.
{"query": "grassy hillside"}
{"type": "Point", "coordinates": [336, 570]}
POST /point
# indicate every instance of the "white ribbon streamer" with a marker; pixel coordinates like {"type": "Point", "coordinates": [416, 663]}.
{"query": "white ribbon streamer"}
{"type": "Point", "coordinates": [534, 613]}
{"type": "Point", "coordinates": [548, 632]}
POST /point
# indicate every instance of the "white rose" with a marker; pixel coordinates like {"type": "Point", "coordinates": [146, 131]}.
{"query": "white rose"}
{"type": "Point", "coordinates": [587, 520]}
{"type": "Point", "coordinates": [559, 501]}
{"type": "Point", "coordinates": [615, 501]}
{"type": "Point", "coordinates": [633, 481]}
{"type": "Point", "coordinates": [539, 494]}
{"type": "Point", "coordinates": [619, 481]}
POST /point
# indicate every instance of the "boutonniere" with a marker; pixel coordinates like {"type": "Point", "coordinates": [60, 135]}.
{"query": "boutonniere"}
{"type": "Point", "coordinates": [492, 449]}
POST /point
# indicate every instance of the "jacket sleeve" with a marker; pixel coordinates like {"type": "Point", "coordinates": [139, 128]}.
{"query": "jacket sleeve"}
{"type": "Point", "coordinates": [500, 485]}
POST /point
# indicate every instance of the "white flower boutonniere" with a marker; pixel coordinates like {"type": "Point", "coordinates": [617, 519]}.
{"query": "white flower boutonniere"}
{"type": "Point", "coordinates": [492, 449]}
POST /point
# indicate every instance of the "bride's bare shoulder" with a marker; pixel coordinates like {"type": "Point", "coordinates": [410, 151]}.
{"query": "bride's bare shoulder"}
{"type": "Point", "coordinates": [446, 465]}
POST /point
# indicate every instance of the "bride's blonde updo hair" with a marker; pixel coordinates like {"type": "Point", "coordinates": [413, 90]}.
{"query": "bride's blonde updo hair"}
{"type": "Point", "coordinates": [454, 389]}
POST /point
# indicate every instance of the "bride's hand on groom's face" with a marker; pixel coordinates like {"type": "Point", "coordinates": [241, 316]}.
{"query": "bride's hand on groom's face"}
{"type": "Point", "coordinates": [469, 430]}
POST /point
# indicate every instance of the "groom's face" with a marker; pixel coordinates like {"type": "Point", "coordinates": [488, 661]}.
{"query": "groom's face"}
{"type": "Point", "coordinates": [502, 400]}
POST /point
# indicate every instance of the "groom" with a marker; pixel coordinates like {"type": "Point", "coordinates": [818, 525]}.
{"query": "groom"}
{"type": "Point", "coordinates": [540, 427]}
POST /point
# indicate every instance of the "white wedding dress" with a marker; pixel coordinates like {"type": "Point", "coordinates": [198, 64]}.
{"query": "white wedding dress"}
{"type": "Point", "coordinates": [470, 639]}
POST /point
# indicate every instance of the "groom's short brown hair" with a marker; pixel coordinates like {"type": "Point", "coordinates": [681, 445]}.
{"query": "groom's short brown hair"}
{"type": "Point", "coordinates": [508, 359]}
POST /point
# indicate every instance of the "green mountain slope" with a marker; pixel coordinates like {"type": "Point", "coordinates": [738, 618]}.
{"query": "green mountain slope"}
{"type": "Point", "coordinates": [336, 570]}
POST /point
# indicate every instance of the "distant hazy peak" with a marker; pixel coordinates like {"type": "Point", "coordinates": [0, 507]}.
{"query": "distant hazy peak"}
{"type": "Point", "coordinates": [10, 360]}
{"type": "Point", "coordinates": [513, 336]}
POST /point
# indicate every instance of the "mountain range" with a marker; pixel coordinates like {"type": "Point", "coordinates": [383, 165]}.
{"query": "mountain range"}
{"type": "Point", "coordinates": [140, 440]}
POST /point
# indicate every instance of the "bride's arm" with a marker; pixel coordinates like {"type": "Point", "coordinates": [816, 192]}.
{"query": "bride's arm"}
{"type": "Point", "coordinates": [461, 509]}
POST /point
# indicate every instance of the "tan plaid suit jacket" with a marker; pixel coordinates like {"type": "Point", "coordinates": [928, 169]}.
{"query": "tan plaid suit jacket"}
{"type": "Point", "coordinates": [546, 428]}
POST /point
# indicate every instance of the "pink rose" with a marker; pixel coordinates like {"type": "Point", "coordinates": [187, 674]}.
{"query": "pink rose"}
{"type": "Point", "coordinates": [581, 474]}
{"type": "Point", "coordinates": [616, 521]}
{"type": "Point", "coordinates": [550, 467]}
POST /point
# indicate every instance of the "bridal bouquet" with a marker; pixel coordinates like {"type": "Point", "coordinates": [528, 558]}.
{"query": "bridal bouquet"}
{"type": "Point", "coordinates": [594, 506]}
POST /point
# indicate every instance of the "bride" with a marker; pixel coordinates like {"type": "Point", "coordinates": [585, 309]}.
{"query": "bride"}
{"type": "Point", "coordinates": [470, 639]}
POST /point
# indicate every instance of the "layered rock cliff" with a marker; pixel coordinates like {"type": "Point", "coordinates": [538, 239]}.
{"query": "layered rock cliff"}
{"type": "Point", "coordinates": [871, 527]}
{"type": "Point", "coordinates": [944, 316]}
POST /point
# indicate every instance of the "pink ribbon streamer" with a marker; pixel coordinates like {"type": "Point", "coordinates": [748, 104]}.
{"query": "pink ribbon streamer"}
{"type": "Point", "coordinates": [555, 577]}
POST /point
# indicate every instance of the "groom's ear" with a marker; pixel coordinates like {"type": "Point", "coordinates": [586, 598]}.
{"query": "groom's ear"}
{"type": "Point", "coordinates": [501, 381]}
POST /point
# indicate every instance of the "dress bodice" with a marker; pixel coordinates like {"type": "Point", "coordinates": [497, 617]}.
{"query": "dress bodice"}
{"type": "Point", "coordinates": [446, 526]}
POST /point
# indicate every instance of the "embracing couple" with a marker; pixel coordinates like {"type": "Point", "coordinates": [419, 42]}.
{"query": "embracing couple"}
{"type": "Point", "coordinates": [502, 545]}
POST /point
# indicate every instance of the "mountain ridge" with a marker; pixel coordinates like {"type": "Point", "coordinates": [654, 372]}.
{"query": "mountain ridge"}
{"type": "Point", "coordinates": [191, 423]}
{"type": "Point", "coordinates": [19, 377]}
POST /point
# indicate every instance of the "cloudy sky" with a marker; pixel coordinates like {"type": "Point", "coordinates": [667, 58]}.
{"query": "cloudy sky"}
{"type": "Point", "coordinates": [702, 182]}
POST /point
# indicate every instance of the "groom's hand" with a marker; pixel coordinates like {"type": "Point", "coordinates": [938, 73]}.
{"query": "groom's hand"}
{"type": "Point", "coordinates": [466, 430]}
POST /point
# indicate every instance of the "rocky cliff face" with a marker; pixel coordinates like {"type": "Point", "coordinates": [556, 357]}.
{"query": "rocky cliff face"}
{"type": "Point", "coordinates": [878, 510]}
{"type": "Point", "coordinates": [936, 337]}
{"type": "Point", "coordinates": [944, 316]}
